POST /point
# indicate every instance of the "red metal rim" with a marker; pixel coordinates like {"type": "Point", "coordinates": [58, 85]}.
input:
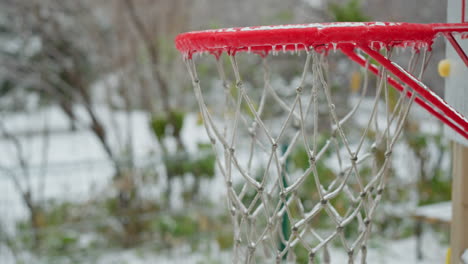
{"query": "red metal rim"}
{"type": "Point", "coordinates": [263, 39]}
{"type": "Point", "coordinates": [368, 37]}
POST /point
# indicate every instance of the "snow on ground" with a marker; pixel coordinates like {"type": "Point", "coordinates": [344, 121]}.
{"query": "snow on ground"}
{"type": "Point", "coordinates": [383, 252]}
{"type": "Point", "coordinates": [401, 251]}
{"type": "Point", "coordinates": [465, 256]}
{"type": "Point", "coordinates": [76, 162]}
{"type": "Point", "coordinates": [441, 211]}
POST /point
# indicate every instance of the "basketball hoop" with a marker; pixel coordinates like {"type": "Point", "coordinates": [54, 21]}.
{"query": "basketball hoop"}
{"type": "Point", "coordinates": [246, 136]}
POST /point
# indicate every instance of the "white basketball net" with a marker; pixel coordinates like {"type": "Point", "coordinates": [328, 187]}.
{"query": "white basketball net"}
{"type": "Point", "coordinates": [270, 220]}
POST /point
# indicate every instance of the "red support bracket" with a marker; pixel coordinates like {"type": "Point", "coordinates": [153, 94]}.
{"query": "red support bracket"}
{"type": "Point", "coordinates": [447, 115]}
{"type": "Point", "coordinates": [457, 47]}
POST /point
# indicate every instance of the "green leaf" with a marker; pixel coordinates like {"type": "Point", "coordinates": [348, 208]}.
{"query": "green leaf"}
{"type": "Point", "coordinates": [158, 125]}
{"type": "Point", "coordinates": [177, 121]}
{"type": "Point", "coordinates": [204, 166]}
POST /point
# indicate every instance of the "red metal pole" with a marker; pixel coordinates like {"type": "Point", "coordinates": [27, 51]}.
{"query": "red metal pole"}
{"type": "Point", "coordinates": [418, 87]}
{"type": "Point", "coordinates": [457, 47]}
{"type": "Point", "coordinates": [394, 83]}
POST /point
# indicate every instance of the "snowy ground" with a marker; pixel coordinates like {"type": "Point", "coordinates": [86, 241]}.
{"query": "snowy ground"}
{"type": "Point", "coordinates": [389, 252]}
{"type": "Point", "coordinates": [76, 163]}
{"type": "Point", "coordinates": [385, 252]}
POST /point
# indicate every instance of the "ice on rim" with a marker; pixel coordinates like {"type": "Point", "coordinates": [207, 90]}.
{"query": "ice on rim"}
{"type": "Point", "coordinates": [298, 26]}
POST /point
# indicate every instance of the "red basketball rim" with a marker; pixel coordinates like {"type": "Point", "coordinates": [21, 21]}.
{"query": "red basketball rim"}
{"type": "Point", "coordinates": [346, 36]}
{"type": "Point", "coordinates": [263, 39]}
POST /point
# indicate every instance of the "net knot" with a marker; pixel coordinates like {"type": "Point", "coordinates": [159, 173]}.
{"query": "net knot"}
{"type": "Point", "coordinates": [324, 201]}
{"type": "Point", "coordinates": [311, 257]}
{"type": "Point", "coordinates": [229, 183]}
{"type": "Point", "coordinates": [367, 222]}
{"type": "Point", "coordinates": [274, 146]}
{"type": "Point", "coordinates": [350, 253]}
{"type": "Point", "coordinates": [339, 228]}
{"type": "Point", "coordinates": [283, 195]}
{"type": "Point", "coordinates": [380, 191]}
{"type": "Point", "coordinates": [232, 150]}
{"type": "Point", "coordinates": [252, 132]}
{"type": "Point", "coordinates": [270, 223]}
{"type": "Point", "coordinates": [353, 158]}
{"type": "Point", "coordinates": [233, 211]}
{"type": "Point", "coordinates": [260, 189]}
{"type": "Point", "coordinates": [312, 159]}
{"type": "Point", "coordinates": [239, 84]}
{"type": "Point", "coordinates": [388, 153]}
{"type": "Point", "coordinates": [363, 194]}
{"type": "Point", "coordinates": [247, 215]}
{"type": "Point", "coordinates": [196, 81]}
{"type": "Point", "coordinates": [295, 229]}
{"type": "Point", "coordinates": [251, 247]}
{"type": "Point", "coordinates": [299, 90]}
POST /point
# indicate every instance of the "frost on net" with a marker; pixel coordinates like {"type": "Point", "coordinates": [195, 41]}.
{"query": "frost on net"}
{"type": "Point", "coordinates": [256, 133]}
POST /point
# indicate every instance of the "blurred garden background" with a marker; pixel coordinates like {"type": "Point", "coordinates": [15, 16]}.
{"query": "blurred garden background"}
{"type": "Point", "coordinates": [103, 156]}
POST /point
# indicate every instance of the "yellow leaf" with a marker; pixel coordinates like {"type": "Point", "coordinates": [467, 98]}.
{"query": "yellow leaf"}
{"type": "Point", "coordinates": [448, 256]}
{"type": "Point", "coordinates": [355, 82]}
{"type": "Point", "coordinates": [444, 68]}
